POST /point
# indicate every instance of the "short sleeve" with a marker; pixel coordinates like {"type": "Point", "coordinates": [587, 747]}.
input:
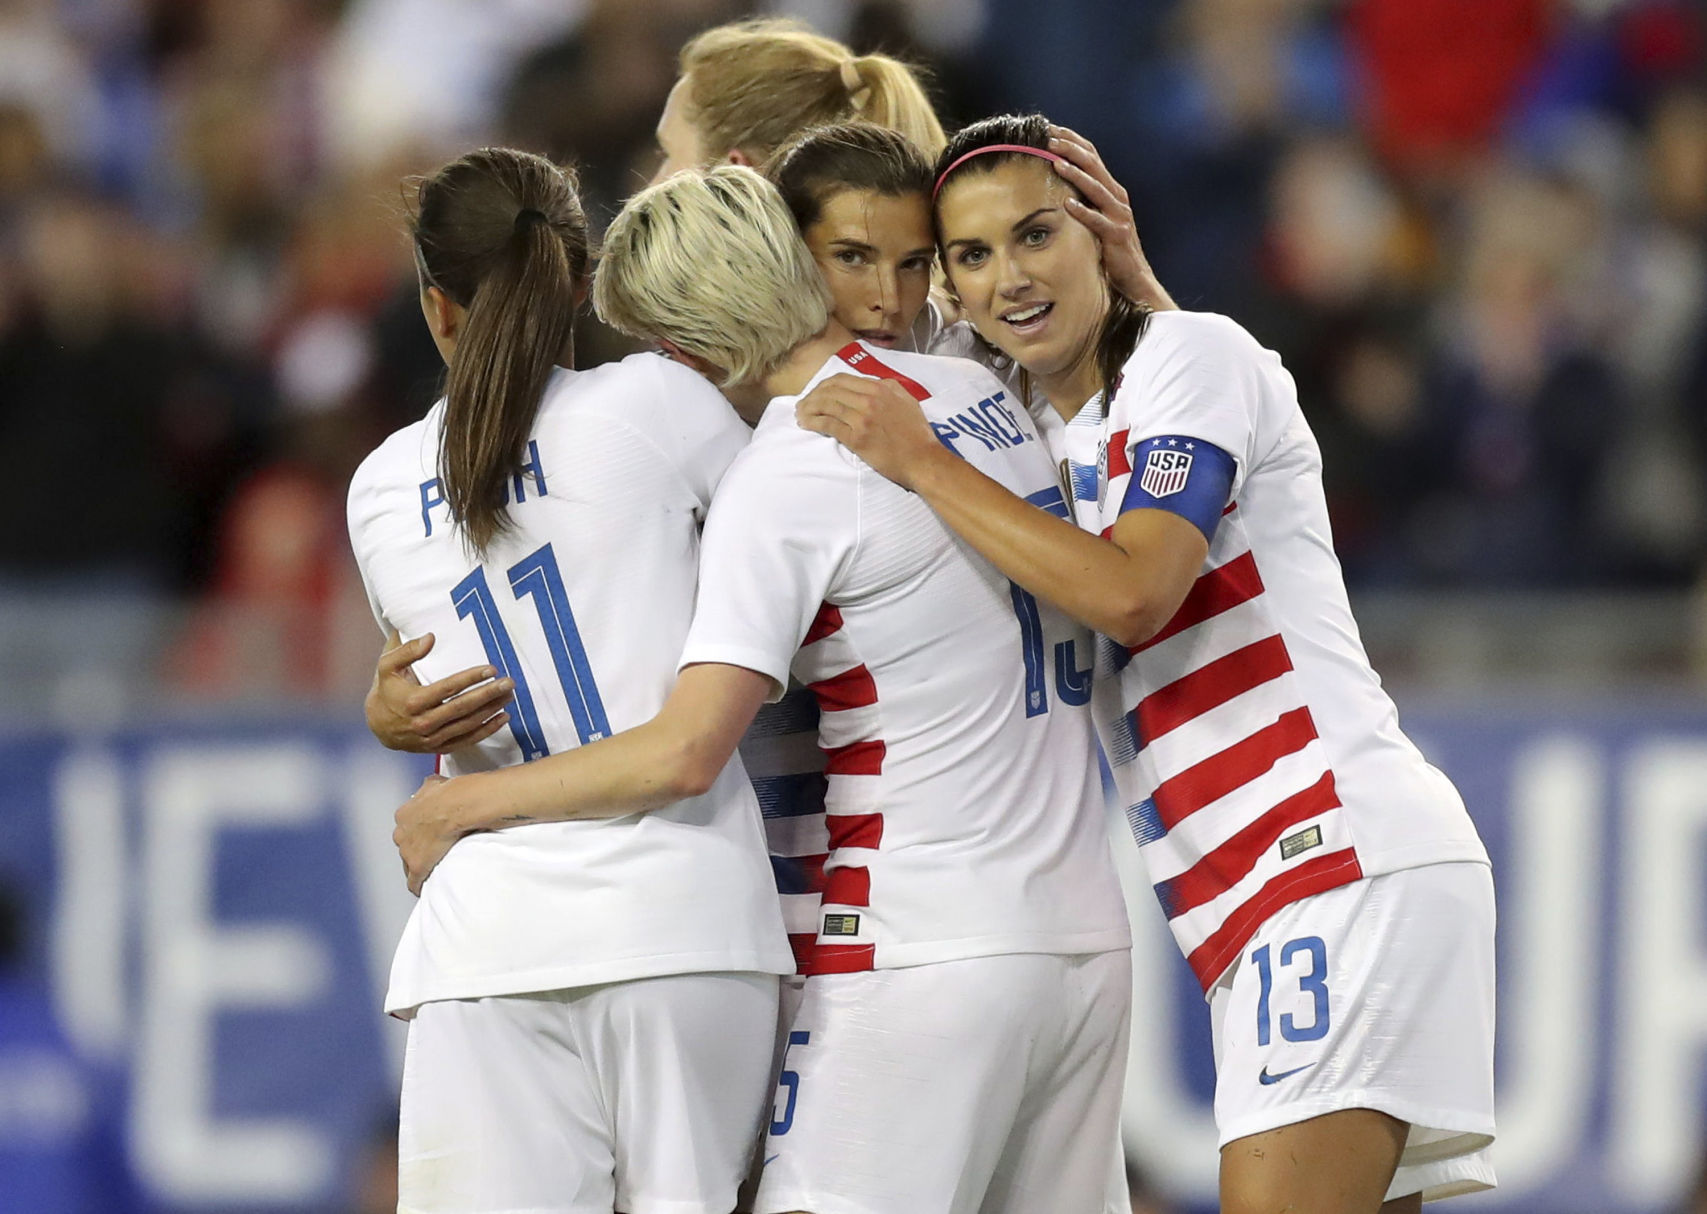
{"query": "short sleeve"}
{"type": "Point", "coordinates": [697, 429]}
{"type": "Point", "coordinates": [1184, 417]}
{"type": "Point", "coordinates": [782, 528]}
{"type": "Point", "coordinates": [358, 510]}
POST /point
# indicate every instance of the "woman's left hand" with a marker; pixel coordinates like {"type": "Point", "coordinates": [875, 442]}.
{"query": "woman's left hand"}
{"type": "Point", "coordinates": [427, 827]}
{"type": "Point", "coordinates": [1107, 212]}
{"type": "Point", "coordinates": [876, 419]}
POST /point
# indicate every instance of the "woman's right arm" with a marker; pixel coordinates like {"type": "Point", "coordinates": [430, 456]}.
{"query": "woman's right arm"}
{"type": "Point", "coordinates": [458, 710]}
{"type": "Point", "coordinates": [677, 754]}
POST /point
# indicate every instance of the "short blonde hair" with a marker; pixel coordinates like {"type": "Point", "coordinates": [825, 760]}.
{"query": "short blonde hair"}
{"type": "Point", "coordinates": [713, 262]}
{"type": "Point", "coordinates": [754, 85]}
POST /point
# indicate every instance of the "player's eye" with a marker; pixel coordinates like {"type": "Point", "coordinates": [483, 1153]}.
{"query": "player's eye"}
{"type": "Point", "coordinates": [971, 256]}
{"type": "Point", "coordinates": [919, 264]}
{"type": "Point", "coordinates": [1036, 237]}
{"type": "Point", "coordinates": [849, 257]}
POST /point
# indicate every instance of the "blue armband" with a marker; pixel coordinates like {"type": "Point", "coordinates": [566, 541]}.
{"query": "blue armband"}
{"type": "Point", "coordinates": [1184, 476]}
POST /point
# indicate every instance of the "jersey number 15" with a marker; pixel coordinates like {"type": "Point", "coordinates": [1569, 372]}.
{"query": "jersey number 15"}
{"type": "Point", "coordinates": [535, 576]}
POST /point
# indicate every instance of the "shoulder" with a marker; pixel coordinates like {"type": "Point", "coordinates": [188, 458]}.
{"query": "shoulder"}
{"type": "Point", "coordinates": [945, 375]}
{"type": "Point", "coordinates": [397, 465]}
{"type": "Point", "coordinates": [397, 460]}
{"type": "Point", "coordinates": [637, 384]}
{"type": "Point", "coordinates": [1185, 337]}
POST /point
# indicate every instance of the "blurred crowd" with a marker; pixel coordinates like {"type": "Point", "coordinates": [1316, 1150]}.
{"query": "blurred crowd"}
{"type": "Point", "coordinates": [1476, 231]}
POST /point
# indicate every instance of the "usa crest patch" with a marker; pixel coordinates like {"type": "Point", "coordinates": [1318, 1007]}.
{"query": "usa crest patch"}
{"type": "Point", "coordinates": [1165, 471]}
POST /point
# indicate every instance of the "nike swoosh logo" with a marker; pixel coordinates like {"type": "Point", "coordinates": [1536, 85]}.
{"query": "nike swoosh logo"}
{"type": "Point", "coordinates": [767, 1163]}
{"type": "Point", "coordinates": [1265, 1078]}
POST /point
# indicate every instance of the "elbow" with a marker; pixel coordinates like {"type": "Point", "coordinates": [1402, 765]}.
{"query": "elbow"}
{"type": "Point", "coordinates": [690, 773]}
{"type": "Point", "coordinates": [1135, 621]}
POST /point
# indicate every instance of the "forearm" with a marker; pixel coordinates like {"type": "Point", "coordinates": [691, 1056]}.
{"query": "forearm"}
{"type": "Point", "coordinates": [1084, 575]}
{"type": "Point", "coordinates": [635, 771]}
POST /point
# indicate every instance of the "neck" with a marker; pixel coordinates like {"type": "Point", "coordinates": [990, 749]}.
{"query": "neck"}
{"type": "Point", "coordinates": [1070, 389]}
{"type": "Point", "coordinates": [799, 365]}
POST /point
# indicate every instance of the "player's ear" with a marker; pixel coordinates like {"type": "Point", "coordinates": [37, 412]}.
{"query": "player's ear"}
{"type": "Point", "coordinates": [693, 362]}
{"type": "Point", "coordinates": [444, 318]}
{"type": "Point", "coordinates": [737, 156]}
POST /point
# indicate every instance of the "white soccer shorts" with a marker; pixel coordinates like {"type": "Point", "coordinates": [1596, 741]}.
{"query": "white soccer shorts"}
{"type": "Point", "coordinates": [984, 1086]}
{"type": "Point", "coordinates": [1376, 995]}
{"type": "Point", "coordinates": [646, 1097]}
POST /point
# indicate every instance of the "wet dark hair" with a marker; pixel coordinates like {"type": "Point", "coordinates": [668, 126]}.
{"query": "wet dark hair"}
{"type": "Point", "coordinates": [501, 233]}
{"type": "Point", "coordinates": [1124, 326]}
{"type": "Point", "coordinates": [824, 160]}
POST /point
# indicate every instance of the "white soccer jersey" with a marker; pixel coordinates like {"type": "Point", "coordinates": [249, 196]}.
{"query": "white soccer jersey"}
{"type": "Point", "coordinates": [1257, 755]}
{"type": "Point", "coordinates": [964, 808]}
{"type": "Point", "coordinates": [585, 602]}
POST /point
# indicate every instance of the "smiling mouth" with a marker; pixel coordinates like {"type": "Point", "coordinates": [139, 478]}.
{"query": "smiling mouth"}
{"type": "Point", "coordinates": [878, 337]}
{"type": "Point", "coordinates": [1028, 319]}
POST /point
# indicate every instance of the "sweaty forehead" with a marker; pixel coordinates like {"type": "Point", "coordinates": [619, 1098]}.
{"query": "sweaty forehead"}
{"type": "Point", "coordinates": [874, 217]}
{"type": "Point", "coordinates": [978, 199]}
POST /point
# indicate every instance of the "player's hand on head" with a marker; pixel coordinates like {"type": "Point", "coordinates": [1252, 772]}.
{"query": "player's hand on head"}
{"type": "Point", "coordinates": [1106, 210]}
{"type": "Point", "coordinates": [876, 419]}
{"type": "Point", "coordinates": [427, 828]}
{"type": "Point", "coordinates": [458, 710]}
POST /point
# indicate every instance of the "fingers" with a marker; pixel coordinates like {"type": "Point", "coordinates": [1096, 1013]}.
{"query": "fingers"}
{"type": "Point", "coordinates": [465, 733]}
{"type": "Point", "coordinates": [1095, 190]}
{"type": "Point", "coordinates": [449, 687]}
{"type": "Point", "coordinates": [462, 712]}
{"type": "Point", "coordinates": [400, 654]}
{"type": "Point", "coordinates": [1081, 154]}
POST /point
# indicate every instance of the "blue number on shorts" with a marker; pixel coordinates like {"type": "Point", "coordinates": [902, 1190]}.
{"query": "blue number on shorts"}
{"type": "Point", "coordinates": [1031, 649]}
{"type": "Point", "coordinates": [537, 575]}
{"type": "Point", "coordinates": [784, 1120]}
{"type": "Point", "coordinates": [1315, 982]}
{"type": "Point", "coordinates": [473, 598]}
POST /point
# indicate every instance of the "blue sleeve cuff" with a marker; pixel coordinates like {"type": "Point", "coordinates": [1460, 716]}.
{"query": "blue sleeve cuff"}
{"type": "Point", "coordinates": [1182, 475]}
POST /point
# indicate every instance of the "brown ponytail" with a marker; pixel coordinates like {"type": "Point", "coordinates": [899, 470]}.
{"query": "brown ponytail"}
{"type": "Point", "coordinates": [502, 234]}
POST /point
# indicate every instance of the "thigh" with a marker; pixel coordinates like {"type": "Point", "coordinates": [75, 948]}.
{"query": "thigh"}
{"type": "Point", "coordinates": [1063, 1152]}
{"type": "Point", "coordinates": [899, 1087]}
{"type": "Point", "coordinates": [498, 1113]}
{"type": "Point", "coordinates": [1339, 1163]}
{"type": "Point", "coordinates": [1375, 997]}
{"type": "Point", "coordinates": [683, 1065]}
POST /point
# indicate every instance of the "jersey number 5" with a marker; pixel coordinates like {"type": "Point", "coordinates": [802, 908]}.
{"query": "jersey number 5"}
{"type": "Point", "coordinates": [535, 576]}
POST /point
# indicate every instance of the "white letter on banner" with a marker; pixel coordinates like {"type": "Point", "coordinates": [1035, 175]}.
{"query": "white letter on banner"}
{"type": "Point", "coordinates": [1662, 976]}
{"type": "Point", "coordinates": [375, 784]}
{"type": "Point", "coordinates": [193, 969]}
{"type": "Point", "coordinates": [87, 949]}
{"type": "Point", "coordinates": [1172, 1134]}
{"type": "Point", "coordinates": [1550, 911]}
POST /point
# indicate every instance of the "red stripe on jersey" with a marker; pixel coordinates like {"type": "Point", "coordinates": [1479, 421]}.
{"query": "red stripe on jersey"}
{"type": "Point", "coordinates": [1215, 954]}
{"type": "Point", "coordinates": [1183, 795]}
{"type": "Point", "coordinates": [854, 830]}
{"type": "Point", "coordinates": [850, 689]}
{"type": "Point", "coordinates": [843, 958]}
{"type": "Point", "coordinates": [1210, 686]}
{"type": "Point", "coordinates": [854, 759]}
{"type": "Point", "coordinates": [803, 944]}
{"type": "Point", "coordinates": [812, 868]}
{"type": "Point", "coordinates": [1230, 507]}
{"type": "Point", "coordinates": [867, 363]}
{"type": "Point", "coordinates": [1228, 864]}
{"type": "Point", "coordinates": [1221, 589]}
{"type": "Point", "coordinates": [1118, 464]}
{"type": "Point", "coordinates": [827, 620]}
{"type": "Point", "coordinates": [849, 885]}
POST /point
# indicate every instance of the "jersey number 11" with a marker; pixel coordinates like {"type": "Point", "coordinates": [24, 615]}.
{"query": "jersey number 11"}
{"type": "Point", "coordinates": [535, 576]}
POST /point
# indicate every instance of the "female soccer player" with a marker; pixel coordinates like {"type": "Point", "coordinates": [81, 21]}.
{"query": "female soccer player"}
{"type": "Point", "coordinates": [961, 1040]}
{"type": "Point", "coordinates": [593, 1003]}
{"type": "Point", "coordinates": [1323, 881]}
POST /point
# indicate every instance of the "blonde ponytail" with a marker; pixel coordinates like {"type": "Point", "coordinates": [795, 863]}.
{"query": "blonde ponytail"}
{"type": "Point", "coordinates": [754, 85]}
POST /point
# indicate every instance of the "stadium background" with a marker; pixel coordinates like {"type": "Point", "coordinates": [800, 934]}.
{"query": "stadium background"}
{"type": "Point", "coordinates": [1475, 229]}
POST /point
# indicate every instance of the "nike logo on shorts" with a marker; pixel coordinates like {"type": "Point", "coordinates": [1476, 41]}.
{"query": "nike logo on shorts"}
{"type": "Point", "coordinates": [1265, 1078]}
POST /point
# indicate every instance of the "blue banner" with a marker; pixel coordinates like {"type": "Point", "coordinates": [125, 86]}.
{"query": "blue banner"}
{"type": "Point", "coordinates": [194, 1025]}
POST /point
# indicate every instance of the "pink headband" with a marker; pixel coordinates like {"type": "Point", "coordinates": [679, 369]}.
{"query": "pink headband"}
{"type": "Point", "coordinates": [994, 147]}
